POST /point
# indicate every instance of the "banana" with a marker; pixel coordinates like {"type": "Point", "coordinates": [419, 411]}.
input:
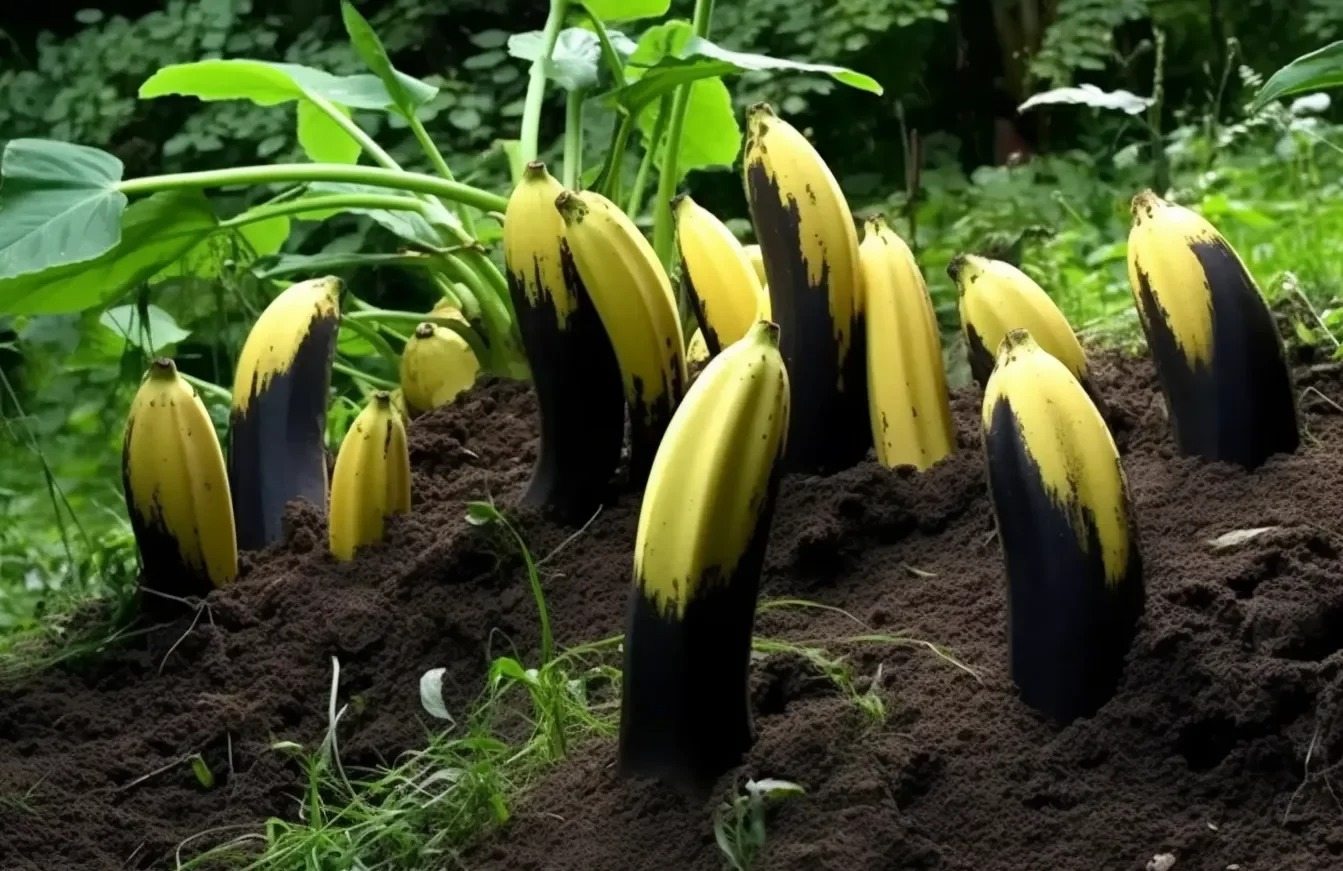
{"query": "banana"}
{"type": "Point", "coordinates": [436, 365]}
{"type": "Point", "coordinates": [697, 351]}
{"type": "Point", "coordinates": [757, 261]}
{"type": "Point", "coordinates": [633, 297]}
{"type": "Point", "coordinates": [907, 385]}
{"type": "Point", "coordinates": [720, 282]}
{"type": "Point", "coordinates": [574, 369]}
{"type": "Point", "coordinates": [810, 247]}
{"type": "Point", "coordinates": [703, 528]}
{"type": "Point", "coordinates": [1065, 524]}
{"type": "Point", "coordinates": [371, 480]}
{"type": "Point", "coordinates": [177, 491]}
{"type": "Point", "coordinates": [277, 428]}
{"type": "Point", "coordinates": [1218, 354]}
{"type": "Point", "coordinates": [996, 298]}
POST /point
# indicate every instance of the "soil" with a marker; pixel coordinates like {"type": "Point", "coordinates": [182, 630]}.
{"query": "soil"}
{"type": "Point", "coordinates": [1219, 747]}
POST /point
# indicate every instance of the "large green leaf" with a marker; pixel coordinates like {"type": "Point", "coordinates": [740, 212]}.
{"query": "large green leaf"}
{"type": "Point", "coordinates": [406, 97]}
{"type": "Point", "coordinates": [1311, 72]}
{"type": "Point", "coordinates": [627, 10]}
{"type": "Point", "coordinates": [243, 244]}
{"type": "Point", "coordinates": [268, 83]}
{"type": "Point", "coordinates": [409, 225]}
{"type": "Point", "coordinates": [152, 334]}
{"type": "Point", "coordinates": [155, 231]}
{"type": "Point", "coordinates": [322, 139]}
{"type": "Point", "coordinates": [575, 61]}
{"type": "Point", "coordinates": [59, 203]}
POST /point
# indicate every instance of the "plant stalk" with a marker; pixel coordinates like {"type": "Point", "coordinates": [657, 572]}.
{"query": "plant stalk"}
{"type": "Point", "coordinates": [440, 165]}
{"type": "Point", "coordinates": [636, 203]}
{"type": "Point", "coordinates": [266, 211]}
{"type": "Point", "coordinates": [536, 85]}
{"type": "Point", "coordinates": [573, 138]}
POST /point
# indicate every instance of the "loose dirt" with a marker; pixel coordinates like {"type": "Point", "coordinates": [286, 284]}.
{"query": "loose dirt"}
{"type": "Point", "coordinates": [1219, 748]}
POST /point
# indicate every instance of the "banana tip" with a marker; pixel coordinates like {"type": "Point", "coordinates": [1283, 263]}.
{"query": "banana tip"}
{"type": "Point", "coordinates": [956, 266]}
{"type": "Point", "coordinates": [535, 169]}
{"type": "Point", "coordinates": [424, 330]}
{"type": "Point", "coordinates": [1143, 202]}
{"type": "Point", "coordinates": [163, 367]}
{"type": "Point", "coordinates": [570, 207]}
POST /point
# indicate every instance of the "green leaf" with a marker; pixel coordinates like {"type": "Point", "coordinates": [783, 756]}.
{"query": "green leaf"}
{"type": "Point", "coordinates": [408, 225]}
{"type": "Point", "coordinates": [268, 84]}
{"type": "Point", "coordinates": [1311, 72]}
{"type": "Point", "coordinates": [320, 264]}
{"type": "Point", "coordinates": [59, 203]}
{"type": "Point", "coordinates": [322, 139]}
{"type": "Point", "coordinates": [512, 149]}
{"type": "Point", "coordinates": [574, 63]}
{"type": "Point", "coordinates": [627, 10]}
{"type": "Point", "coordinates": [245, 244]}
{"type": "Point", "coordinates": [124, 325]}
{"type": "Point", "coordinates": [407, 93]}
{"type": "Point", "coordinates": [711, 137]}
{"type": "Point", "coordinates": [155, 231]}
{"type": "Point", "coordinates": [1090, 95]}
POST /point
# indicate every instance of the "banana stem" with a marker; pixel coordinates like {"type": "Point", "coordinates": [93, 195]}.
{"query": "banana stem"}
{"type": "Point", "coordinates": [371, 335]}
{"type": "Point", "coordinates": [290, 173]}
{"type": "Point", "coordinates": [440, 165]}
{"type": "Point", "coordinates": [646, 164]}
{"type": "Point", "coordinates": [223, 394]}
{"type": "Point", "coordinates": [573, 138]}
{"type": "Point", "coordinates": [364, 377]}
{"type": "Point", "coordinates": [391, 202]}
{"type": "Point", "coordinates": [536, 85]}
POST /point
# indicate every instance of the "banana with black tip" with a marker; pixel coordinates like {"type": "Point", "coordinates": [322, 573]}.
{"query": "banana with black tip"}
{"type": "Point", "coordinates": [371, 479]}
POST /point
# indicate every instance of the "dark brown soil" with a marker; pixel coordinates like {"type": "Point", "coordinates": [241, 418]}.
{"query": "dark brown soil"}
{"type": "Point", "coordinates": [1219, 747]}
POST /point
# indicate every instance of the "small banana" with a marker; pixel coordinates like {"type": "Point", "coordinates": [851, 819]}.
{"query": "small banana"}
{"type": "Point", "coordinates": [371, 480]}
{"type": "Point", "coordinates": [721, 283]}
{"type": "Point", "coordinates": [1065, 524]}
{"type": "Point", "coordinates": [633, 297]}
{"type": "Point", "coordinates": [1218, 354]}
{"type": "Point", "coordinates": [906, 382]}
{"type": "Point", "coordinates": [436, 365]}
{"type": "Point", "coordinates": [701, 539]}
{"type": "Point", "coordinates": [277, 428]}
{"type": "Point", "coordinates": [177, 491]}
{"type": "Point", "coordinates": [810, 248]}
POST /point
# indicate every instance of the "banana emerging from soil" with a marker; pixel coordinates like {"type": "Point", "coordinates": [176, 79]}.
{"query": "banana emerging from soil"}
{"type": "Point", "coordinates": [1218, 353]}
{"type": "Point", "coordinates": [277, 428]}
{"type": "Point", "coordinates": [436, 365]}
{"type": "Point", "coordinates": [1065, 524]}
{"type": "Point", "coordinates": [906, 382]}
{"type": "Point", "coordinates": [371, 481]}
{"type": "Point", "coordinates": [574, 369]}
{"type": "Point", "coordinates": [810, 248]}
{"type": "Point", "coordinates": [719, 279]}
{"type": "Point", "coordinates": [703, 527]}
{"type": "Point", "coordinates": [177, 491]}
{"type": "Point", "coordinates": [633, 297]}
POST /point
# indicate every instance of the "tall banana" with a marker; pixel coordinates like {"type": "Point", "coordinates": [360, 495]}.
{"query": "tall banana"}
{"type": "Point", "coordinates": [1065, 524]}
{"type": "Point", "coordinates": [810, 248]}
{"type": "Point", "coordinates": [371, 480]}
{"type": "Point", "coordinates": [277, 428]}
{"type": "Point", "coordinates": [1218, 353]}
{"type": "Point", "coordinates": [719, 279]}
{"type": "Point", "coordinates": [633, 297]}
{"type": "Point", "coordinates": [906, 381]}
{"type": "Point", "coordinates": [703, 527]}
{"type": "Point", "coordinates": [574, 369]}
{"type": "Point", "coordinates": [177, 492]}
{"type": "Point", "coordinates": [436, 365]}
{"type": "Point", "coordinates": [996, 298]}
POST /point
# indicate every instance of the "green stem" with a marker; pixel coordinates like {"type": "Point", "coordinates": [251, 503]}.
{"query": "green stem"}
{"type": "Point", "coordinates": [391, 202]}
{"type": "Point", "coordinates": [332, 263]}
{"type": "Point", "coordinates": [357, 375]}
{"type": "Point", "coordinates": [573, 138]}
{"type": "Point", "coordinates": [609, 55]}
{"type": "Point", "coordinates": [636, 203]}
{"type": "Point", "coordinates": [346, 123]}
{"type": "Point", "coordinates": [536, 86]}
{"type": "Point", "coordinates": [669, 175]}
{"type": "Point", "coordinates": [492, 310]}
{"type": "Point", "coordinates": [221, 393]}
{"type": "Point", "coordinates": [371, 335]}
{"type": "Point", "coordinates": [608, 183]}
{"type": "Point", "coordinates": [440, 165]}
{"type": "Point", "coordinates": [281, 173]}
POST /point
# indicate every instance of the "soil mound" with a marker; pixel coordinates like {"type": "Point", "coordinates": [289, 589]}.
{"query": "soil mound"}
{"type": "Point", "coordinates": [1219, 747]}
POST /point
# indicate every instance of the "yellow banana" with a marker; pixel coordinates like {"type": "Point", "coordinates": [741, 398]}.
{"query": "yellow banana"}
{"type": "Point", "coordinates": [371, 480]}
{"type": "Point", "coordinates": [177, 491]}
{"type": "Point", "coordinates": [277, 428]}
{"type": "Point", "coordinates": [436, 365]}
{"type": "Point", "coordinates": [1218, 353]}
{"type": "Point", "coordinates": [1064, 515]}
{"type": "Point", "coordinates": [810, 248]}
{"type": "Point", "coordinates": [574, 369]}
{"type": "Point", "coordinates": [757, 259]}
{"type": "Point", "coordinates": [703, 527]}
{"type": "Point", "coordinates": [906, 382]}
{"type": "Point", "coordinates": [633, 297]}
{"type": "Point", "coordinates": [718, 276]}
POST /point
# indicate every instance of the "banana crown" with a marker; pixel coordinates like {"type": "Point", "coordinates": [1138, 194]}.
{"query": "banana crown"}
{"type": "Point", "coordinates": [277, 336]}
{"type": "Point", "coordinates": [534, 241]}
{"type": "Point", "coordinates": [997, 297]}
{"type": "Point", "coordinates": [1162, 262]}
{"type": "Point", "coordinates": [371, 480]}
{"type": "Point", "coordinates": [174, 473]}
{"type": "Point", "coordinates": [1066, 439]}
{"type": "Point", "coordinates": [712, 471]}
{"type": "Point", "coordinates": [436, 365]}
{"type": "Point", "coordinates": [724, 282]}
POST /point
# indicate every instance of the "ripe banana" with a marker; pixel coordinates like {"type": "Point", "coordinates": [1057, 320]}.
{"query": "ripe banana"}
{"type": "Point", "coordinates": [721, 283]}
{"type": "Point", "coordinates": [906, 382]}
{"type": "Point", "coordinates": [371, 480]}
{"type": "Point", "coordinates": [633, 297]}
{"type": "Point", "coordinates": [810, 248]}
{"type": "Point", "coordinates": [1219, 357]}
{"type": "Point", "coordinates": [757, 259]}
{"type": "Point", "coordinates": [1065, 523]}
{"type": "Point", "coordinates": [703, 527]}
{"type": "Point", "coordinates": [277, 428]}
{"type": "Point", "coordinates": [574, 369]}
{"type": "Point", "coordinates": [177, 491]}
{"type": "Point", "coordinates": [436, 365]}
{"type": "Point", "coordinates": [996, 298]}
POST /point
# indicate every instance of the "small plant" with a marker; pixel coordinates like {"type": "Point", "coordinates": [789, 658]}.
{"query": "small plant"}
{"type": "Point", "coordinates": [739, 824]}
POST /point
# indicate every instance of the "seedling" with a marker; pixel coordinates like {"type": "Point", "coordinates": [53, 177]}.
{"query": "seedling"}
{"type": "Point", "coordinates": [739, 824]}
